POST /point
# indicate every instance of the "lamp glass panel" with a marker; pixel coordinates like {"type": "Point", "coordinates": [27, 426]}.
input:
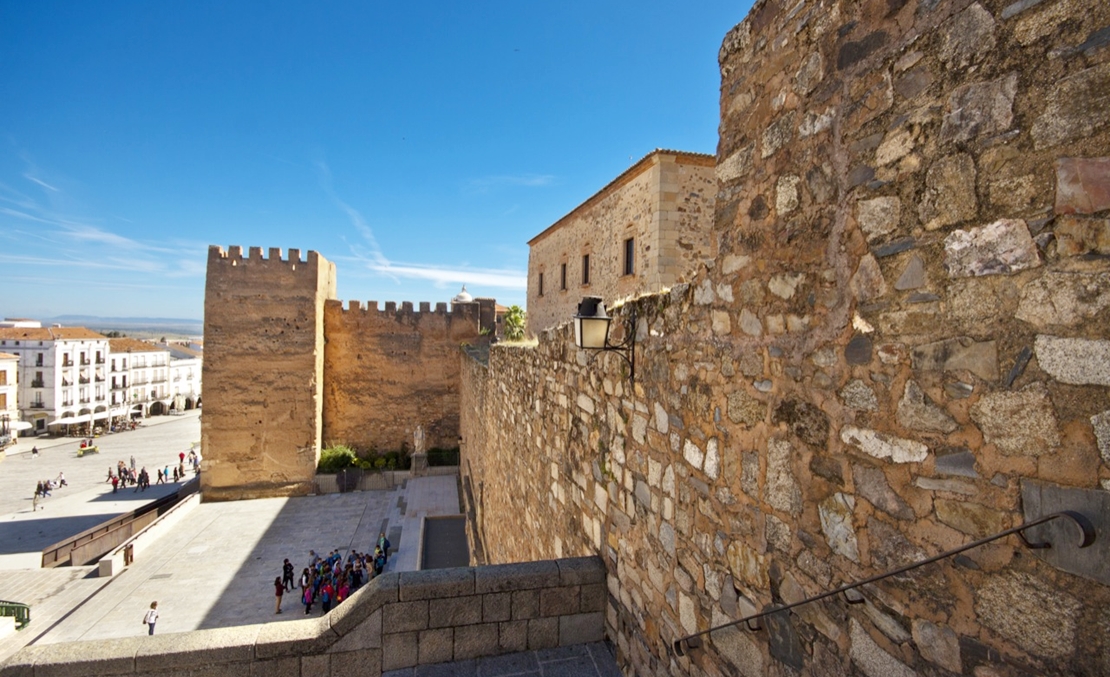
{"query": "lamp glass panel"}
{"type": "Point", "coordinates": [592, 332]}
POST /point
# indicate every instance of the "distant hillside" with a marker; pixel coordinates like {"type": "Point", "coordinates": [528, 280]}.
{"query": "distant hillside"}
{"type": "Point", "coordinates": [138, 327]}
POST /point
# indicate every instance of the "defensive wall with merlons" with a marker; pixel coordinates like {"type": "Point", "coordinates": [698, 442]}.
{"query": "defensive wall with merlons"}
{"type": "Point", "coordinates": [292, 371]}
{"type": "Point", "coordinates": [900, 347]}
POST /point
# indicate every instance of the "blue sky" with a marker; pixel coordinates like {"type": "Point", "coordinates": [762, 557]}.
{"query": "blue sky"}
{"type": "Point", "coordinates": [417, 145]}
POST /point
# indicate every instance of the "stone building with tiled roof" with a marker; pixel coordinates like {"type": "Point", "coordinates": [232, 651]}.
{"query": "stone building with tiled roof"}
{"type": "Point", "coordinates": [643, 232]}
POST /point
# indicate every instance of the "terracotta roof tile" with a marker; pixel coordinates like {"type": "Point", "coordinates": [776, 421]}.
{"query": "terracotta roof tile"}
{"type": "Point", "coordinates": [130, 345]}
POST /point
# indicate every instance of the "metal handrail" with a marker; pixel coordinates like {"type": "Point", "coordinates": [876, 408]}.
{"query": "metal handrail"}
{"type": "Point", "coordinates": [682, 646]}
{"type": "Point", "coordinates": [22, 613]}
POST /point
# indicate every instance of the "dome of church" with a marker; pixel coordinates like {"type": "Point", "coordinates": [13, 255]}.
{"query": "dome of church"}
{"type": "Point", "coordinates": [463, 297]}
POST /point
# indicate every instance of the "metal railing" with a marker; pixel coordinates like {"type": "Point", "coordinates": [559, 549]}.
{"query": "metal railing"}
{"type": "Point", "coordinates": [37, 383]}
{"type": "Point", "coordinates": [1087, 536]}
{"type": "Point", "coordinates": [21, 612]}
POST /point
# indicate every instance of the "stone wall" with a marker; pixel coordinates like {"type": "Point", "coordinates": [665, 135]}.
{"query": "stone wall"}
{"type": "Point", "coordinates": [396, 621]}
{"type": "Point", "coordinates": [388, 371]}
{"type": "Point", "coordinates": [664, 202]}
{"type": "Point", "coordinates": [263, 371]}
{"type": "Point", "coordinates": [900, 347]}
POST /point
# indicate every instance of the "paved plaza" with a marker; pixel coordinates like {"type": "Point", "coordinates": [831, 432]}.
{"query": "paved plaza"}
{"type": "Point", "coordinates": [216, 567]}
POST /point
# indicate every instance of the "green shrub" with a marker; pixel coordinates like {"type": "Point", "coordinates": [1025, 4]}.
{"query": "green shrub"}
{"type": "Point", "coordinates": [335, 458]}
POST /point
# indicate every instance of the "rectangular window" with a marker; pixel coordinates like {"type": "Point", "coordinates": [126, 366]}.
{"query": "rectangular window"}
{"type": "Point", "coordinates": [38, 360]}
{"type": "Point", "coordinates": [563, 284]}
{"type": "Point", "coordinates": [585, 269]}
{"type": "Point", "coordinates": [541, 284]}
{"type": "Point", "coordinates": [629, 256]}
{"type": "Point", "coordinates": [3, 401]}
{"type": "Point", "coordinates": [4, 377]}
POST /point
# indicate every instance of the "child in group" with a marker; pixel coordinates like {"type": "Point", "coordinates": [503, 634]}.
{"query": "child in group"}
{"type": "Point", "coordinates": [279, 590]}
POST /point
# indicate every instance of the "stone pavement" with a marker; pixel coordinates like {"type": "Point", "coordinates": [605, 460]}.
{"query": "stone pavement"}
{"type": "Point", "coordinates": [580, 660]}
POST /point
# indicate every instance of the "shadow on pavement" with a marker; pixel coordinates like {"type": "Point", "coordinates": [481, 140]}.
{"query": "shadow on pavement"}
{"type": "Point", "coordinates": [42, 532]}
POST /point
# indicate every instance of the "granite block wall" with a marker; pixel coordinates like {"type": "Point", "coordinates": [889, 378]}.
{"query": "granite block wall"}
{"type": "Point", "coordinates": [900, 347]}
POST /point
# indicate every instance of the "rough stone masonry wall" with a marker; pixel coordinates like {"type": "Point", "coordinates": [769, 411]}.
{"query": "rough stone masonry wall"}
{"type": "Point", "coordinates": [263, 372]}
{"type": "Point", "coordinates": [901, 346]}
{"type": "Point", "coordinates": [386, 372]}
{"type": "Point", "coordinates": [664, 202]}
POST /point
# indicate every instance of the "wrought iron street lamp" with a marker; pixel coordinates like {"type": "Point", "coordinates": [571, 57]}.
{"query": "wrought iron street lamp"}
{"type": "Point", "coordinates": [591, 332]}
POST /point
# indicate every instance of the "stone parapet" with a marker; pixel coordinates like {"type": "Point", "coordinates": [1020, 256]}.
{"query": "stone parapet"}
{"type": "Point", "coordinates": [397, 621]}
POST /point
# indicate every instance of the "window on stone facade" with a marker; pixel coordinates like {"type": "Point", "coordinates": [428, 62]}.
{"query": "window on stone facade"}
{"type": "Point", "coordinates": [3, 401]}
{"type": "Point", "coordinates": [541, 284]}
{"type": "Point", "coordinates": [3, 378]}
{"type": "Point", "coordinates": [629, 256]}
{"type": "Point", "coordinates": [563, 284]}
{"type": "Point", "coordinates": [38, 360]}
{"type": "Point", "coordinates": [585, 269]}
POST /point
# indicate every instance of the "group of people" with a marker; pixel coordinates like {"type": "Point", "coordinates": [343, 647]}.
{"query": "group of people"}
{"type": "Point", "coordinates": [44, 487]}
{"type": "Point", "coordinates": [332, 579]}
{"type": "Point", "coordinates": [123, 474]}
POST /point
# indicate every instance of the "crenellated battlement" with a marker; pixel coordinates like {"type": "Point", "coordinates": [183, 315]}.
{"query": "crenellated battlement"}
{"type": "Point", "coordinates": [233, 255]}
{"type": "Point", "coordinates": [467, 310]}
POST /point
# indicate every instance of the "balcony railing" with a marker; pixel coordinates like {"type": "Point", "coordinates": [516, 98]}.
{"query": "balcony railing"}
{"type": "Point", "coordinates": [83, 380]}
{"type": "Point", "coordinates": [38, 405]}
{"type": "Point", "coordinates": [99, 378]}
{"type": "Point", "coordinates": [66, 382]}
{"type": "Point", "coordinates": [37, 383]}
{"type": "Point", "coordinates": [85, 362]}
{"type": "Point", "coordinates": [85, 400]}
{"type": "Point", "coordinates": [67, 363]}
{"type": "Point", "coordinates": [100, 360]}
{"type": "Point", "coordinates": [67, 403]}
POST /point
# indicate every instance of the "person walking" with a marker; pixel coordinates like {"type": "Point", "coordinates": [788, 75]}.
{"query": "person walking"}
{"type": "Point", "coordinates": [161, 477]}
{"type": "Point", "coordinates": [115, 483]}
{"type": "Point", "coordinates": [151, 617]}
{"type": "Point", "coordinates": [279, 590]}
{"type": "Point", "coordinates": [306, 598]}
{"type": "Point", "coordinates": [34, 452]}
{"type": "Point", "coordinates": [384, 544]}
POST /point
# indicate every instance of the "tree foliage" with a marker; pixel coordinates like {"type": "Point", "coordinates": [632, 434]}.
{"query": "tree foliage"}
{"type": "Point", "coordinates": [514, 323]}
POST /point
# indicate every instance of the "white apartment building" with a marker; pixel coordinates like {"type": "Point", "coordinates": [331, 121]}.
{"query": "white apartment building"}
{"type": "Point", "coordinates": [61, 374]}
{"type": "Point", "coordinates": [140, 377]}
{"type": "Point", "coordinates": [10, 425]}
{"type": "Point", "coordinates": [185, 368]}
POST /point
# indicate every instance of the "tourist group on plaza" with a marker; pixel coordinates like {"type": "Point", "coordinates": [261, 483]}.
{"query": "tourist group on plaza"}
{"type": "Point", "coordinates": [332, 579]}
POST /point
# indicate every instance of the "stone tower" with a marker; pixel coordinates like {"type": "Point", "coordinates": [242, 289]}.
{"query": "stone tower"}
{"type": "Point", "coordinates": [263, 372]}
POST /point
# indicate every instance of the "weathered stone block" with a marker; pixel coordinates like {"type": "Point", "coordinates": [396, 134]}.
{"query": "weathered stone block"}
{"type": "Point", "coordinates": [783, 492]}
{"type": "Point", "coordinates": [366, 635]}
{"type": "Point", "coordinates": [960, 462]}
{"type": "Point", "coordinates": [279, 667]}
{"type": "Point", "coordinates": [1018, 423]}
{"type": "Point", "coordinates": [1064, 298]}
{"type": "Point", "coordinates": [1076, 236]}
{"type": "Point", "coordinates": [882, 445]}
{"type": "Point", "coordinates": [971, 518]}
{"type": "Point", "coordinates": [451, 611]}
{"type": "Point", "coordinates": [1077, 108]}
{"type": "Point", "coordinates": [743, 409]}
{"type": "Point", "coordinates": [913, 275]}
{"type": "Point", "coordinates": [871, 484]}
{"type": "Point", "coordinates": [870, 657]}
{"type": "Point", "coordinates": [400, 650]}
{"type": "Point", "coordinates": [436, 646]}
{"type": "Point", "coordinates": [526, 604]}
{"type": "Point", "coordinates": [1101, 425]}
{"type": "Point", "coordinates": [1002, 247]}
{"type": "Point", "coordinates": [1029, 612]}
{"type": "Point", "coordinates": [917, 411]}
{"type": "Point", "coordinates": [559, 601]}
{"type": "Point", "coordinates": [475, 641]}
{"type": "Point", "coordinates": [979, 109]}
{"type": "Point", "coordinates": [868, 283]}
{"type": "Point", "coordinates": [737, 648]}
{"type": "Point", "coordinates": [434, 583]}
{"type": "Point", "coordinates": [405, 616]}
{"type": "Point", "coordinates": [938, 644]}
{"type": "Point", "coordinates": [1074, 360]}
{"type": "Point", "coordinates": [967, 37]}
{"type": "Point", "coordinates": [836, 524]}
{"type": "Point", "coordinates": [543, 633]}
{"type": "Point", "coordinates": [1082, 185]}
{"type": "Point", "coordinates": [879, 216]}
{"type": "Point", "coordinates": [355, 663]}
{"type": "Point", "coordinates": [593, 597]}
{"type": "Point", "coordinates": [214, 645]}
{"type": "Point", "coordinates": [805, 420]}
{"type": "Point", "coordinates": [581, 628]}
{"type": "Point", "coordinates": [497, 607]}
{"type": "Point", "coordinates": [957, 354]}
{"type": "Point", "coordinates": [277, 640]}
{"type": "Point", "coordinates": [747, 565]}
{"type": "Point", "coordinates": [859, 396]}
{"type": "Point", "coordinates": [522, 576]}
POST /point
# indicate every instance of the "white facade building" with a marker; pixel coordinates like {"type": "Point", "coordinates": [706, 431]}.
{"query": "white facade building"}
{"type": "Point", "coordinates": [185, 369]}
{"type": "Point", "coordinates": [10, 425]}
{"type": "Point", "coordinates": [140, 377]}
{"type": "Point", "coordinates": [61, 374]}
